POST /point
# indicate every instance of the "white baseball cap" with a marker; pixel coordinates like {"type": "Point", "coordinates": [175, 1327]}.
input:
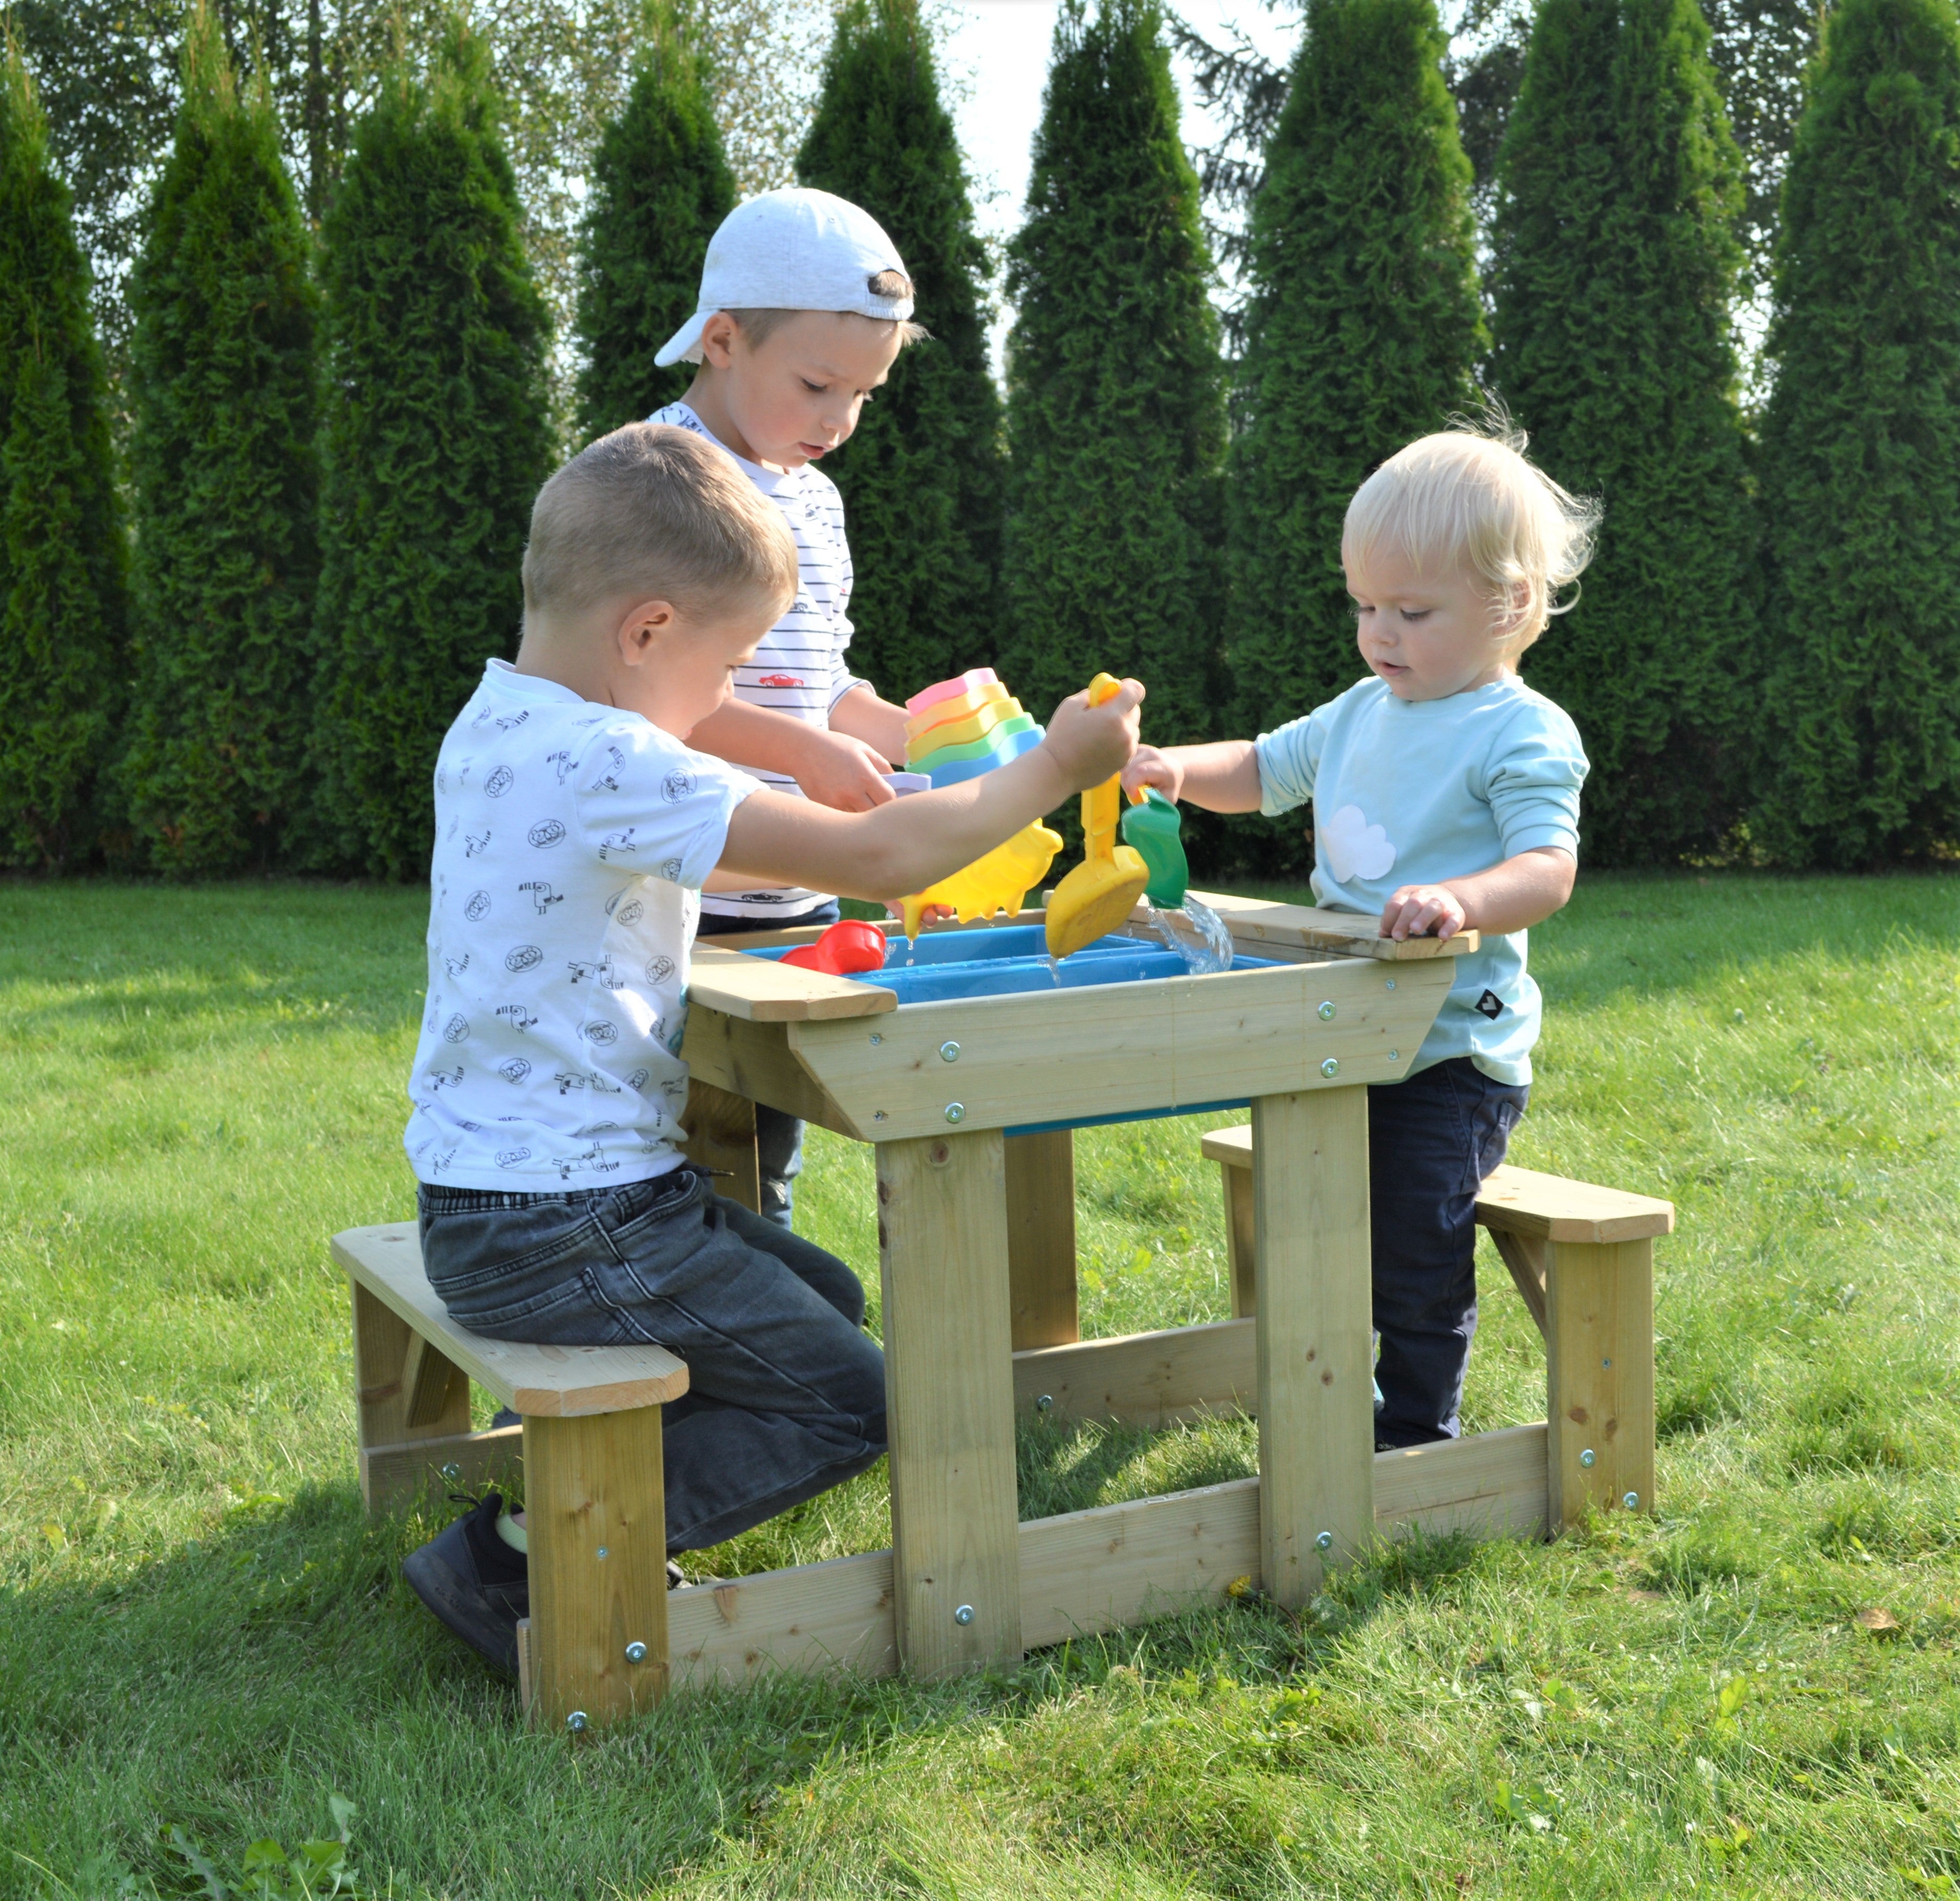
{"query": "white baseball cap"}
{"type": "Point", "coordinates": [792, 249]}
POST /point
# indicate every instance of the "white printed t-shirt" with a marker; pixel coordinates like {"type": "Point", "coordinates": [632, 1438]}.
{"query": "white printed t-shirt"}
{"type": "Point", "coordinates": [571, 840]}
{"type": "Point", "coordinates": [1416, 791]}
{"type": "Point", "coordinates": [798, 668]}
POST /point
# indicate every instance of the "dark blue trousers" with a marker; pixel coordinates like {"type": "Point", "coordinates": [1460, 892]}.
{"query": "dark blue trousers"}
{"type": "Point", "coordinates": [1431, 1141]}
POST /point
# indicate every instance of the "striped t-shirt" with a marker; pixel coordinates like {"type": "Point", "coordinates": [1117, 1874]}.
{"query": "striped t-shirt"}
{"type": "Point", "coordinates": [798, 668]}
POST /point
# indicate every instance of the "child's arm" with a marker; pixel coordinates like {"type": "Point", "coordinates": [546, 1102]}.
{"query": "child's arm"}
{"type": "Point", "coordinates": [1513, 896]}
{"type": "Point", "coordinates": [877, 722]}
{"type": "Point", "coordinates": [1222, 777]}
{"type": "Point", "coordinates": [906, 844]}
{"type": "Point", "coordinates": [837, 768]}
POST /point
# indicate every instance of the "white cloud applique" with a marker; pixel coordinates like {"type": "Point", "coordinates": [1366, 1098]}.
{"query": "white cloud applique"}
{"type": "Point", "coordinates": [1354, 847]}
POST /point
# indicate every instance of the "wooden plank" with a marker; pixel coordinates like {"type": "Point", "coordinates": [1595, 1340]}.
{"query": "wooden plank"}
{"type": "Point", "coordinates": [831, 1616]}
{"type": "Point", "coordinates": [1041, 1238]}
{"type": "Point", "coordinates": [1354, 934]}
{"type": "Point", "coordinates": [557, 1382]}
{"type": "Point", "coordinates": [1241, 1252]}
{"type": "Point", "coordinates": [1525, 1256]}
{"type": "Point", "coordinates": [764, 990]}
{"type": "Point", "coordinates": [527, 1680]}
{"type": "Point", "coordinates": [755, 1060]}
{"type": "Point", "coordinates": [1316, 1346]}
{"type": "Point", "coordinates": [720, 1129]}
{"type": "Point", "coordinates": [1094, 1570]}
{"type": "Point", "coordinates": [1143, 1379]}
{"type": "Point", "coordinates": [1113, 1050]}
{"type": "Point", "coordinates": [422, 1471]}
{"type": "Point", "coordinates": [595, 1524]}
{"type": "Point", "coordinates": [942, 1247]}
{"type": "Point", "coordinates": [1599, 1379]}
{"type": "Point", "coordinates": [381, 1343]}
{"type": "Point", "coordinates": [1492, 1484]}
{"type": "Point", "coordinates": [1521, 1201]}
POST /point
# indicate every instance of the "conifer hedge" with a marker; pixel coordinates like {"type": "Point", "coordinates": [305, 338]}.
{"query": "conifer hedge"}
{"type": "Point", "coordinates": [222, 457]}
{"type": "Point", "coordinates": [1614, 264]}
{"type": "Point", "coordinates": [660, 184]}
{"type": "Point", "coordinates": [1115, 404]}
{"type": "Point", "coordinates": [435, 438]}
{"type": "Point", "coordinates": [1362, 330]}
{"type": "Point", "coordinates": [62, 627]}
{"type": "Point", "coordinates": [1861, 450]}
{"type": "Point", "coordinates": [922, 478]}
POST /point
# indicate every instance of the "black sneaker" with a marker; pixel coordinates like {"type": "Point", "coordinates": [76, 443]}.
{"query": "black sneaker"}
{"type": "Point", "coordinates": [475, 1583]}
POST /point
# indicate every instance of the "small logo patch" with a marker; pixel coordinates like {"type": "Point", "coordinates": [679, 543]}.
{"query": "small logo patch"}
{"type": "Point", "coordinates": [1489, 1004]}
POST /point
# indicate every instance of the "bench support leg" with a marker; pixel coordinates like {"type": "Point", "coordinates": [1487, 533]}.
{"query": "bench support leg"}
{"type": "Point", "coordinates": [1599, 1376]}
{"type": "Point", "coordinates": [595, 1518]}
{"type": "Point", "coordinates": [1041, 1238]}
{"type": "Point", "coordinates": [1315, 1346]}
{"type": "Point", "coordinates": [942, 1248]}
{"type": "Point", "coordinates": [1242, 1251]}
{"type": "Point", "coordinates": [720, 1129]}
{"type": "Point", "coordinates": [404, 1390]}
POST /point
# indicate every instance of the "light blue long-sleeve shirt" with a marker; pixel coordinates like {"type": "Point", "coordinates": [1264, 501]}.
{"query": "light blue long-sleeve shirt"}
{"type": "Point", "coordinates": [1414, 792]}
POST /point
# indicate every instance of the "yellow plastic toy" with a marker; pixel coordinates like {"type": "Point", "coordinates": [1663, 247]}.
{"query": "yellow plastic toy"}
{"type": "Point", "coordinates": [1103, 891]}
{"type": "Point", "coordinates": [998, 882]}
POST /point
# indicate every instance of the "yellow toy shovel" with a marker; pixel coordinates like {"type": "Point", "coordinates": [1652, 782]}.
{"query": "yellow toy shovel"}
{"type": "Point", "coordinates": [1103, 891]}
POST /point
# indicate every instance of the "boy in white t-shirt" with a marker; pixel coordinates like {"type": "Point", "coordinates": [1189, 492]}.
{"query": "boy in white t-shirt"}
{"type": "Point", "coordinates": [1446, 797]}
{"type": "Point", "coordinates": [804, 308]}
{"type": "Point", "coordinates": [574, 828]}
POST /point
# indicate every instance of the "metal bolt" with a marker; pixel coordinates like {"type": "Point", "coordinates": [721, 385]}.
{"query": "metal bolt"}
{"type": "Point", "coordinates": [956, 1112]}
{"type": "Point", "coordinates": [601, 1551]}
{"type": "Point", "coordinates": [1587, 1458]}
{"type": "Point", "coordinates": [949, 1052]}
{"type": "Point", "coordinates": [876, 1037]}
{"type": "Point", "coordinates": [1388, 983]}
{"type": "Point", "coordinates": [453, 1473]}
{"type": "Point", "coordinates": [1330, 1067]}
{"type": "Point", "coordinates": [575, 1721]}
{"type": "Point", "coordinates": [636, 1652]}
{"type": "Point", "coordinates": [1631, 1501]}
{"type": "Point", "coordinates": [1395, 1055]}
{"type": "Point", "coordinates": [1605, 1362]}
{"type": "Point", "coordinates": [1327, 1013]}
{"type": "Point", "coordinates": [1045, 1403]}
{"type": "Point", "coordinates": [877, 1115]}
{"type": "Point", "coordinates": [964, 1615]}
{"type": "Point", "coordinates": [1326, 1541]}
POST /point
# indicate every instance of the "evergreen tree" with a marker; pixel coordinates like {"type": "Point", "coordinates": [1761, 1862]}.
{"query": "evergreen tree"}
{"type": "Point", "coordinates": [225, 485]}
{"type": "Point", "coordinates": [1360, 334]}
{"type": "Point", "coordinates": [63, 629]}
{"type": "Point", "coordinates": [660, 185]}
{"type": "Point", "coordinates": [1115, 409]}
{"type": "Point", "coordinates": [1861, 450]}
{"type": "Point", "coordinates": [1615, 258]}
{"type": "Point", "coordinates": [436, 436]}
{"type": "Point", "coordinates": [921, 477]}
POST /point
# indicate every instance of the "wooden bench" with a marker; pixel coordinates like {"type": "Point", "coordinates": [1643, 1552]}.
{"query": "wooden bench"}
{"type": "Point", "coordinates": [595, 1646]}
{"type": "Point", "coordinates": [1583, 1258]}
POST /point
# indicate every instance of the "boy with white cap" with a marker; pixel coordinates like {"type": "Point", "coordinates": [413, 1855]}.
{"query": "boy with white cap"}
{"type": "Point", "coordinates": [803, 309]}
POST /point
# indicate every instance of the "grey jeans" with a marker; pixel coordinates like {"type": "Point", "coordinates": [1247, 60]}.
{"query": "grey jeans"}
{"type": "Point", "coordinates": [786, 1392]}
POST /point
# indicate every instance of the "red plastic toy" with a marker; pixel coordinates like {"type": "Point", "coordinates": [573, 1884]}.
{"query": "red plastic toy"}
{"type": "Point", "coordinates": [849, 946]}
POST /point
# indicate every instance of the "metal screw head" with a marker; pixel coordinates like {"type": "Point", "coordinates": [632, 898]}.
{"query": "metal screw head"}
{"type": "Point", "coordinates": [964, 1615]}
{"type": "Point", "coordinates": [601, 1551]}
{"type": "Point", "coordinates": [956, 1112]}
{"type": "Point", "coordinates": [1326, 1540]}
{"type": "Point", "coordinates": [876, 1037]}
{"type": "Point", "coordinates": [1388, 983]}
{"type": "Point", "coordinates": [1045, 1403]}
{"type": "Point", "coordinates": [453, 1473]}
{"type": "Point", "coordinates": [636, 1652]}
{"type": "Point", "coordinates": [1330, 1067]}
{"type": "Point", "coordinates": [1588, 1457]}
{"type": "Point", "coordinates": [1327, 1013]}
{"type": "Point", "coordinates": [1631, 1501]}
{"type": "Point", "coordinates": [575, 1721]}
{"type": "Point", "coordinates": [949, 1052]}
{"type": "Point", "coordinates": [1395, 1055]}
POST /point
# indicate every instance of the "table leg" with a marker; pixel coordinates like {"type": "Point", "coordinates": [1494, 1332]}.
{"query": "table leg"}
{"type": "Point", "coordinates": [1316, 1388]}
{"type": "Point", "coordinates": [1041, 1238]}
{"type": "Point", "coordinates": [595, 1515]}
{"type": "Point", "coordinates": [720, 1130]}
{"type": "Point", "coordinates": [404, 1389]}
{"type": "Point", "coordinates": [949, 1382]}
{"type": "Point", "coordinates": [1599, 1376]}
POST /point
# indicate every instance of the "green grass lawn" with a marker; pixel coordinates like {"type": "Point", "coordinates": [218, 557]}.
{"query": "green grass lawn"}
{"type": "Point", "coordinates": [199, 1630]}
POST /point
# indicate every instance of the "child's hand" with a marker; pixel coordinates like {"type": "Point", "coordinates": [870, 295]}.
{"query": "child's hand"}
{"type": "Point", "coordinates": [844, 773]}
{"type": "Point", "coordinates": [1422, 911]}
{"type": "Point", "coordinates": [1147, 766]}
{"type": "Point", "coordinates": [1092, 744]}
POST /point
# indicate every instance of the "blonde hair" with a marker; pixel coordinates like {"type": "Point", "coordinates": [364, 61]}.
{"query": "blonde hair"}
{"type": "Point", "coordinates": [1468, 495]}
{"type": "Point", "coordinates": [653, 512]}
